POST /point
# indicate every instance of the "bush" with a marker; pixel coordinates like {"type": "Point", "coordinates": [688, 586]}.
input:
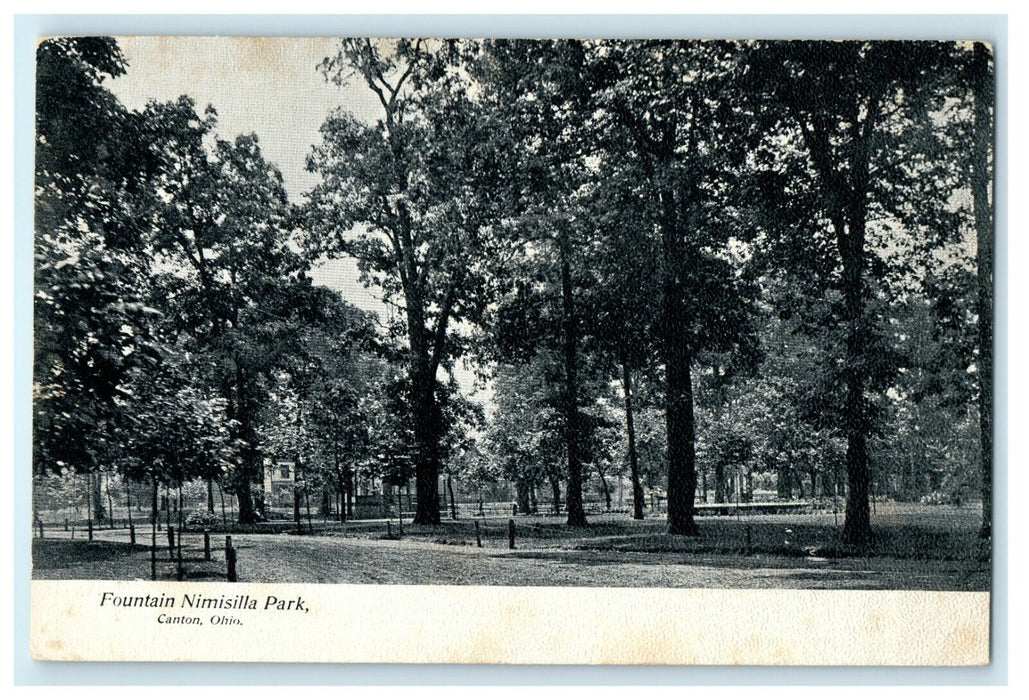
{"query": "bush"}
{"type": "Point", "coordinates": [201, 518]}
{"type": "Point", "coordinates": [937, 498]}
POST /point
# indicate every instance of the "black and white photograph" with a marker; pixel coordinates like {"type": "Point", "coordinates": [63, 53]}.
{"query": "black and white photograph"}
{"type": "Point", "coordinates": [580, 313]}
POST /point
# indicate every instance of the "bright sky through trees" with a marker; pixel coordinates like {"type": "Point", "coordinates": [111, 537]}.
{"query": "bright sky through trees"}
{"type": "Point", "coordinates": [264, 85]}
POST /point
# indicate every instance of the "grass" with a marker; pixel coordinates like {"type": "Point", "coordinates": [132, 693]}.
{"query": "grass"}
{"type": "Point", "coordinates": [107, 560]}
{"type": "Point", "coordinates": [938, 533]}
{"type": "Point", "coordinates": [921, 547]}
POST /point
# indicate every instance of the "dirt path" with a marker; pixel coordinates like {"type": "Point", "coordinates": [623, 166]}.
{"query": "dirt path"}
{"type": "Point", "coordinates": [335, 560]}
{"type": "Point", "coordinates": [329, 559]}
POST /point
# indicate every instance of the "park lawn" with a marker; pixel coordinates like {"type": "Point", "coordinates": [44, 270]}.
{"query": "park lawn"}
{"type": "Point", "coordinates": [916, 548]}
{"type": "Point", "coordinates": [100, 559]}
{"type": "Point", "coordinates": [907, 531]}
{"type": "Point", "coordinates": [321, 559]}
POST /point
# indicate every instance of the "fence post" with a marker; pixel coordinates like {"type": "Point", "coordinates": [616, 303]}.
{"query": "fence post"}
{"type": "Point", "coordinates": [207, 545]}
{"type": "Point", "coordinates": [132, 534]}
{"type": "Point", "coordinates": [510, 534]}
{"type": "Point", "coordinates": [66, 524]}
{"type": "Point", "coordinates": [389, 529]}
{"type": "Point", "coordinates": [230, 559]}
{"type": "Point", "coordinates": [89, 524]}
{"type": "Point", "coordinates": [40, 524]}
{"type": "Point", "coordinates": [478, 535]}
{"type": "Point", "coordinates": [171, 542]}
{"type": "Point", "coordinates": [73, 532]}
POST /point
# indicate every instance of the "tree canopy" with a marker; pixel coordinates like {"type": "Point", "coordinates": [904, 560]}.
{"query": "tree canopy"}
{"type": "Point", "coordinates": [725, 269]}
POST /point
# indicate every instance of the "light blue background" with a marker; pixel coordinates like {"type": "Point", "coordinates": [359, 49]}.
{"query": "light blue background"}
{"type": "Point", "coordinates": [991, 28]}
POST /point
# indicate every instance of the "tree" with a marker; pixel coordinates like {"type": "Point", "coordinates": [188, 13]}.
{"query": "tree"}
{"type": "Point", "coordinates": [540, 92]}
{"type": "Point", "coordinates": [667, 120]}
{"type": "Point", "coordinates": [319, 395]}
{"type": "Point", "coordinates": [983, 106]}
{"type": "Point", "coordinates": [176, 433]}
{"type": "Point", "coordinates": [933, 401]}
{"type": "Point", "coordinates": [337, 374]}
{"type": "Point", "coordinates": [523, 439]}
{"type": "Point", "coordinates": [91, 322]}
{"type": "Point", "coordinates": [403, 197]}
{"type": "Point", "coordinates": [624, 302]}
{"type": "Point", "coordinates": [237, 290]}
{"type": "Point", "coordinates": [871, 95]}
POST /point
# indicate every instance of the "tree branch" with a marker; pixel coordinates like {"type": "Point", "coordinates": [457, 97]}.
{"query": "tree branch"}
{"type": "Point", "coordinates": [440, 333]}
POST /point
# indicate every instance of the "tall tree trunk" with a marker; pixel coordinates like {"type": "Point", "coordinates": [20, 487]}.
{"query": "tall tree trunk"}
{"type": "Point", "coordinates": [341, 481]}
{"type": "Point", "coordinates": [846, 186]}
{"type": "Point", "coordinates": [341, 497]}
{"type": "Point", "coordinates": [128, 501]}
{"type": "Point", "coordinates": [110, 501]}
{"type": "Point", "coordinates": [426, 433]}
{"type": "Point", "coordinates": [720, 495]}
{"type": "Point", "coordinates": [983, 207]}
{"type": "Point", "coordinates": [296, 493]}
{"type": "Point", "coordinates": [630, 430]}
{"type": "Point", "coordinates": [89, 503]}
{"type": "Point", "coordinates": [244, 410]}
{"type": "Point", "coordinates": [829, 483]}
{"type": "Point", "coordinates": [98, 498]}
{"type": "Point", "coordinates": [677, 356]}
{"type": "Point", "coordinates": [606, 490]}
{"type": "Point", "coordinates": [453, 504]}
{"type": "Point", "coordinates": [555, 490]}
{"type": "Point", "coordinates": [155, 518]}
{"type": "Point", "coordinates": [857, 526]}
{"type": "Point", "coordinates": [178, 508]}
{"type": "Point", "coordinates": [246, 513]}
{"type": "Point", "coordinates": [783, 485]}
{"type": "Point", "coordinates": [210, 497]}
{"type": "Point", "coordinates": [679, 421]}
{"type": "Point", "coordinates": [307, 508]}
{"type": "Point", "coordinates": [350, 493]}
{"type": "Point", "coordinates": [522, 496]}
{"type": "Point", "coordinates": [573, 494]}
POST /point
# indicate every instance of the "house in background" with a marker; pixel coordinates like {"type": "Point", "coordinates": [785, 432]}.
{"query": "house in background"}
{"type": "Point", "coordinates": [279, 481]}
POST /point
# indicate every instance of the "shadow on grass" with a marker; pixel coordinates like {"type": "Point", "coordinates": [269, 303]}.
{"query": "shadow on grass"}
{"type": "Point", "coordinates": [939, 539]}
{"type": "Point", "coordinates": [59, 553]}
{"type": "Point", "coordinates": [68, 559]}
{"type": "Point", "coordinates": [798, 540]}
{"type": "Point", "coordinates": [725, 558]}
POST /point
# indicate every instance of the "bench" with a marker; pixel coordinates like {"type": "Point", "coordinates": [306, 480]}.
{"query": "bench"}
{"type": "Point", "coordinates": [762, 508]}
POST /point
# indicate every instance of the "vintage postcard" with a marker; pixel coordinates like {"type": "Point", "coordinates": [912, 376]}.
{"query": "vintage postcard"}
{"type": "Point", "coordinates": [513, 351]}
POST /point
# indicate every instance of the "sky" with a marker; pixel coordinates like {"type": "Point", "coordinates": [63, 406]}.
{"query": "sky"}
{"type": "Point", "coordinates": [269, 86]}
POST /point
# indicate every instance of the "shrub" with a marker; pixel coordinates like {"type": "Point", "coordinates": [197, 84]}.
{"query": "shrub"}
{"type": "Point", "coordinates": [201, 518]}
{"type": "Point", "coordinates": [936, 498]}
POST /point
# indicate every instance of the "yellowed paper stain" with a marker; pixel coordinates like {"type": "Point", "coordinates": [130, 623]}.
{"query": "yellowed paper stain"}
{"type": "Point", "coordinates": [451, 624]}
